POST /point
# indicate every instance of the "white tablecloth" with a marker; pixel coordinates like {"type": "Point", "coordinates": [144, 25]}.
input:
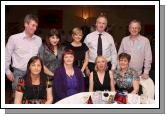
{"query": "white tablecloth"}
{"type": "Point", "coordinates": [75, 99]}
{"type": "Point", "coordinates": [81, 98]}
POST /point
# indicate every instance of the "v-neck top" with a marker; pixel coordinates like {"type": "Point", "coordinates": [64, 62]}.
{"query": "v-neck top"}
{"type": "Point", "coordinates": [98, 86]}
{"type": "Point", "coordinates": [71, 85]}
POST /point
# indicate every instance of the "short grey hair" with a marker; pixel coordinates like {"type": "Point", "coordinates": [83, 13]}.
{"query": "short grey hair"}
{"type": "Point", "coordinates": [102, 15]}
{"type": "Point", "coordinates": [135, 21]}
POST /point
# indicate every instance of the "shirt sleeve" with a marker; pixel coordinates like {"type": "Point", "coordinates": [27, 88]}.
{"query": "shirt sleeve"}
{"type": "Point", "coordinates": [114, 55]}
{"type": "Point", "coordinates": [58, 84]}
{"type": "Point", "coordinates": [8, 53]}
{"type": "Point", "coordinates": [148, 57]}
{"type": "Point", "coordinates": [85, 47]}
{"type": "Point", "coordinates": [135, 75]}
{"type": "Point", "coordinates": [81, 86]}
{"type": "Point", "coordinates": [121, 48]}
{"type": "Point", "coordinates": [21, 85]}
{"type": "Point", "coordinates": [86, 40]}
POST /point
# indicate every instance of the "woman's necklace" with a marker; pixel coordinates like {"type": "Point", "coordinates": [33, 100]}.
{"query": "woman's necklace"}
{"type": "Point", "coordinates": [55, 52]}
{"type": "Point", "coordinates": [70, 73]}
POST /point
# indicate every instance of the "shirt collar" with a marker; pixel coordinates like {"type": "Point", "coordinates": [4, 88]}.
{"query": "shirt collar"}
{"type": "Point", "coordinates": [137, 38]}
{"type": "Point", "coordinates": [25, 36]}
{"type": "Point", "coordinates": [99, 32]}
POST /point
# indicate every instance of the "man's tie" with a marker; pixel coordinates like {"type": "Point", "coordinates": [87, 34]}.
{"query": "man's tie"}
{"type": "Point", "coordinates": [99, 46]}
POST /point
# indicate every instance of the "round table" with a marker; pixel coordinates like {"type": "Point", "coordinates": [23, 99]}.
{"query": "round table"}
{"type": "Point", "coordinates": [98, 98]}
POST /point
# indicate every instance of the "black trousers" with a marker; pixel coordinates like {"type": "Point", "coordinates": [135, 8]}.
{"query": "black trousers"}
{"type": "Point", "coordinates": [91, 66]}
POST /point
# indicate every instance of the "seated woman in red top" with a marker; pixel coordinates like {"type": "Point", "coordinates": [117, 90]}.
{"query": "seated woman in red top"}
{"type": "Point", "coordinates": [34, 88]}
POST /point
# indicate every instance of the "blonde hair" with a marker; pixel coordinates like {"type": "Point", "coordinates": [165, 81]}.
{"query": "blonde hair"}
{"type": "Point", "coordinates": [77, 30]}
{"type": "Point", "coordinates": [100, 57]}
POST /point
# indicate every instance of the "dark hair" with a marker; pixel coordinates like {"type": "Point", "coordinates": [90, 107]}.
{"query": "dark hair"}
{"type": "Point", "coordinates": [68, 51]}
{"type": "Point", "coordinates": [52, 32]}
{"type": "Point", "coordinates": [27, 76]}
{"type": "Point", "coordinates": [124, 55]}
{"type": "Point", "coordinates": [30, 17]}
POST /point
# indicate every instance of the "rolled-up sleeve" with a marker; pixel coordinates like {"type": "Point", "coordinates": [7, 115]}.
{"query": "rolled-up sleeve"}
{"type": "Point", "coordinates": [8, 54]}
{"type": "Point", "coordinates": [114, 55]}
{"type": "Point", "coordinates": [147, 58]}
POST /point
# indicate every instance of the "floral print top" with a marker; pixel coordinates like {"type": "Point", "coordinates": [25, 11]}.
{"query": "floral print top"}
{"type": "Point", "coordinates": [50, 60]}
{"type": "Point", "coordinates": [35, 94]}
{"type": "Point", "coordinates": [126, 81]}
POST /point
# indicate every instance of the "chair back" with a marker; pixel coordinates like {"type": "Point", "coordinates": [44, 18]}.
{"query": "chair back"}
{"type": "Point", "coordinates": [148, 87]}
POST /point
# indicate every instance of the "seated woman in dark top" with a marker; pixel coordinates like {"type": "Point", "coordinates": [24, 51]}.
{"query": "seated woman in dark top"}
{"type": "Point", "coordinates": [126, 78]}
{"type": "Point", "coordinates": [68, 79]}
{"type": "Point", "coordinates": [34, 88]}
{"type": "Point", "coordinates": [101, 78]}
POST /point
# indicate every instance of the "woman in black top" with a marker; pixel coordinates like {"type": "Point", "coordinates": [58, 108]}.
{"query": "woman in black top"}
{"type": "Point", "coordinates": [101, 78]}
{"type": "Point", "coordinates": [34, 88]}
{"type": "Point", "coordinates": [80, 49]}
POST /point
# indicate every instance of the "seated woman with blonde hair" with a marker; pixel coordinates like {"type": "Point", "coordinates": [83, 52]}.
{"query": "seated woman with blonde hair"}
{"type": "Point", "coordinates": [34, 88]}
{"type": "Point", "coordinates": [101, 78]}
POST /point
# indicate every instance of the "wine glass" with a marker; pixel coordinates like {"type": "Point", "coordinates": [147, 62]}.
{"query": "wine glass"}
{"type": "Point", "coordinates": [105, 96]}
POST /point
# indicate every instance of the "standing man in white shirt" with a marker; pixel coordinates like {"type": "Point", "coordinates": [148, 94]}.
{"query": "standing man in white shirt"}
{"type": "Point", "coordinates": [139, 48]}
{"type": "Point", "coordinates": [104, 48]}
{"type": "Point", "coordinates": [20, 48]}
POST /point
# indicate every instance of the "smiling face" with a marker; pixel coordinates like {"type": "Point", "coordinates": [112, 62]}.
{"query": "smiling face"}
{"type": "Point", "coordinates": [54, 40]}
{"type": "Point", "coordinates": [101, 63]}
{"type": "Point", "coordinates": [77, 37]}
{"type": "Point", "coordinates": [134, 28]}
{"type": "Point", "coordinates": [123, 63]}
{"type": "Point", "coordinates": [35, 67]}
{"type": "Point", "coordinates": [30, 27]}
{"type": "Point", "coordinates": [101, 24]}
{"type": "Point", "coordinates": [68, 59]}
{"type": "Point", "coordinates": [77, 34]}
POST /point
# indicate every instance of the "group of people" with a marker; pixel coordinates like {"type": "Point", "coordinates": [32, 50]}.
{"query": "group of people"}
{"type": "Point", "coordinates": [47, 72]}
